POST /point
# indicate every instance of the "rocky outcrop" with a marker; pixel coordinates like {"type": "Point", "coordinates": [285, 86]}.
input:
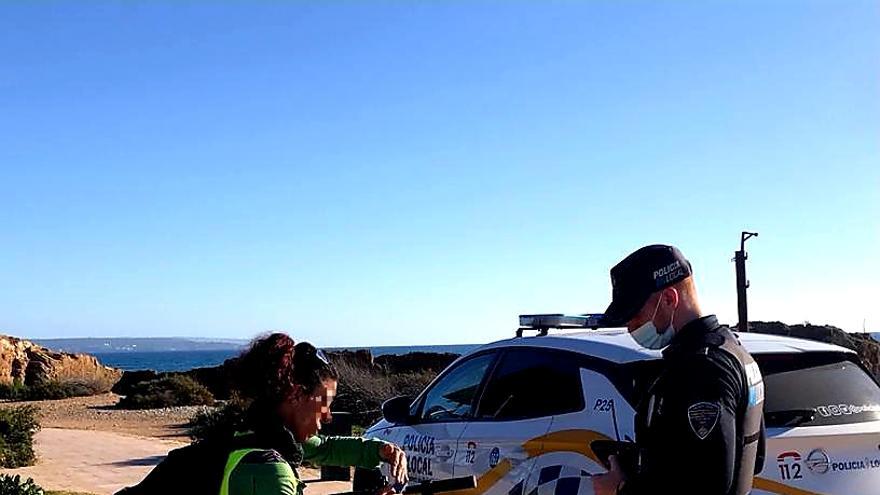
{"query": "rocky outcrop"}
{"type": "Point", "coordinates": [869, 351]}
{"type": "Point", "coordinates": [416, 362]}
{"type": "Point", "coordinates": [361, 358]}
{"type": "Point", "coordinates": [24, 362]}
{"type": "Point", "coordinates": [864, 344]}
{"type": "Point", "coordinates": [412, 362]}
{"type": "Point", "coordinates": [219, 379]}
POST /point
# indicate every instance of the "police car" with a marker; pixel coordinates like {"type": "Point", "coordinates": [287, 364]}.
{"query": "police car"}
{"type": "Point", "coordinates": [520, 414]}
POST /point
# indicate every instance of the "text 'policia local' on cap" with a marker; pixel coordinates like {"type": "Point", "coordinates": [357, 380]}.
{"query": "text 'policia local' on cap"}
{"type": "Point", "coordinates": [642, 273]}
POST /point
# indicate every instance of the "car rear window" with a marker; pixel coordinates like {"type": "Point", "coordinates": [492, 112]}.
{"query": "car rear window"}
{"type": "Point", "coordinates": [814, 389]}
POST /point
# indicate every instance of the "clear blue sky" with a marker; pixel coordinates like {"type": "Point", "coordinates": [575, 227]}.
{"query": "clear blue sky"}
{"type": "Point", "coordinates": [421, 172]}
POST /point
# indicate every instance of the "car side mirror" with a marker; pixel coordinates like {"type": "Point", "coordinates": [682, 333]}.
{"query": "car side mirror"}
{"type": "Point", "coordinates": [396, 410]}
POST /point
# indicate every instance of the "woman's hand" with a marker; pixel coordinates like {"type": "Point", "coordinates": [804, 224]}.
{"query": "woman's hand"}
{"type": "Point", "coordinates": [396, 459]}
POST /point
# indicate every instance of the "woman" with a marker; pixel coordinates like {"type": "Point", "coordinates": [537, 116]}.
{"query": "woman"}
{"type": "Point", "coordinates": [289, 388]}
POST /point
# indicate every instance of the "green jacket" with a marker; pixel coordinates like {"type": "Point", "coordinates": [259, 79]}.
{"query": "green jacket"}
{"type": "Point", "coordinates": [267, 472]}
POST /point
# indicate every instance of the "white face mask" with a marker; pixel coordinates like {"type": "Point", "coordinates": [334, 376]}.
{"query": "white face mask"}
{"type": "Point", "coordinates": [648, 336]}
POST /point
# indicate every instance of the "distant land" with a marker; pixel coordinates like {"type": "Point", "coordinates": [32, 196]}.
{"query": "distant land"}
{"type": "Point", "coordinates": [101, 346]}
{"type": "Point", "coordinates": [94, 345]}
{"type": "Point", "coordinates": [145, 344]}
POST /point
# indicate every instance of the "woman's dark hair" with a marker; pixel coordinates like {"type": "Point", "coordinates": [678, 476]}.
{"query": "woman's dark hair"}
{"type": "Point", "coordinates": [274, 365]}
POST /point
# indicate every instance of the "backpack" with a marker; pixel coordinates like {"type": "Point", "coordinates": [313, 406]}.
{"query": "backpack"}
{"type": "Point", "coordinates": [195, 469]}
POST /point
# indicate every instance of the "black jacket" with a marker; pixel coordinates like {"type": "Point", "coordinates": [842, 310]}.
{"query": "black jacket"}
{"type": "Point", "coordinates": [700, 428]}
{"type": "Point", "coordinates": [197, 469]}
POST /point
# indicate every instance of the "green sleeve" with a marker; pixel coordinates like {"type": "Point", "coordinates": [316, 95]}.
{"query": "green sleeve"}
{"type": "Point", "coordinates": [274, 478]}
{"type": "Point", "coordinates": [343, 451]}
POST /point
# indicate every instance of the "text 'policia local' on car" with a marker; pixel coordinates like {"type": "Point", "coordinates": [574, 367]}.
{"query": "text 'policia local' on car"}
{"type": "Point", "coordinates": [520, 414]}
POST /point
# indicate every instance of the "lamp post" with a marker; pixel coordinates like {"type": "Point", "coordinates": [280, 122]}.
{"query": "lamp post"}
{"type": "Point", "coordinates": [742, 283]}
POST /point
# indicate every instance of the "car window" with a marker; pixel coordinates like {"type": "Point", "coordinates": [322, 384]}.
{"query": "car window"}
{"type": "Point", "coordinates": [532, 383]}
{"type": "Point", "coordinates": [813, 389]}
{"type": "Point", "coordinates": [634, 380]}
{"type": "Point", "coordinates": [452, 396]}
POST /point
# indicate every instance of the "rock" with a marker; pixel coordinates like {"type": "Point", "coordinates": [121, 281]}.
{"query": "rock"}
{"type": "Point", "coordinates": [361, 358]}
{"type": "Point", "coordinates": [217, 379]}
{"type": "Point", "coordinates": [869, 351]}
{"type": "Point", "coordinates": [413, 362]}
{"type": "Point", "coordinates": [28, 363]}
{"type": "Point", "coordinates": [128, 379]}
{"type": "Point", "coordinates": [220, 379]}
{"type": "Point", "coordinates": [867, 348]}
{"type": "Point", "coordinates": [416, 362]}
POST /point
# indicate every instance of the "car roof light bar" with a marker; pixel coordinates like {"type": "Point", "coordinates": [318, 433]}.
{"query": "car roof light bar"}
{"type": "Point", "coordinates": [543, 323]}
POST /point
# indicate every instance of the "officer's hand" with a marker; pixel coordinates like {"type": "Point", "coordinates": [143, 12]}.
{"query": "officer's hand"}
{"type": "Point", "coordinates": [607, 484]}
{"type": "Point", "coordinates": [396, 459]}
{"type": "Point", "coordinates": [388, 490]}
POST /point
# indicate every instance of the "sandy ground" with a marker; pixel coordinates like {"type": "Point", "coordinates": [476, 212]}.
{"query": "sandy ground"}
{"type": "Point", "coordinates": [92, 461]}
{"type": "Point", "coordinates": [86, 446]}
{"type": "Point", "coordinates": [97, 413]}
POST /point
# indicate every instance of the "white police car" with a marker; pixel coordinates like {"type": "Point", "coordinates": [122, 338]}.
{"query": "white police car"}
{"type": "Point", "coordinates": [520, 414]}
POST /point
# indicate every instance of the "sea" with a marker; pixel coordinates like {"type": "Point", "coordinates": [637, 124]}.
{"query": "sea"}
{"type": "Point", "coordinates": [186, 360]}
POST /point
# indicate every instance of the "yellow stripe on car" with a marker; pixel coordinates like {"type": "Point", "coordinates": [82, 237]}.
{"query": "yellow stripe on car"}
{"type": "Point", "coordinates": [565, 441]}
{"type": "Point", "coordinates": [579, 441]}
{"type": "Point", "coordinates": [777, 487]}
{"type": "Point", "coordinates": [558, 441]}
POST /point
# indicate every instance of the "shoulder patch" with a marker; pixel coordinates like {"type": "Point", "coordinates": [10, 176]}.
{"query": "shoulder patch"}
{"type": "Point", "coordinates": [756, 384]}
{"type": "Point", "coordinates": [702, 417]}
{"type": "Point", "coordinates": [753, 373]}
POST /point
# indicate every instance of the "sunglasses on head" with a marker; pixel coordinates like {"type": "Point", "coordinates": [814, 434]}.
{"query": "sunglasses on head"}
{"type": "Point", "coordinates": [307, 349]}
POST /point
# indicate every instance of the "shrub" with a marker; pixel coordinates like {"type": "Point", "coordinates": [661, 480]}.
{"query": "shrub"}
{"type": "Point", "coordinates": [17, 428]}
{"type": "Point", "coordinates": [130, 379]}
{"type": "Point", "coordinates": [217, 379]}
{"type": "Point", "coordinates": [51, 390]}
{"type": "Point", "coordinates": [219, 421]}
{"type": "Point", "coordinates": [13, 391]}
{"type": "Point", "coordinates": [169, 391]}
{"type": "Point", "coordinates": [13, 485]}
{"type": "Point", "coordinates": [362, 390]}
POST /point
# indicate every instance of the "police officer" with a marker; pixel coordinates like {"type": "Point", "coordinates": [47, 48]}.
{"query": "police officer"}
{"type": "Point", "coordinates": [699, 429]}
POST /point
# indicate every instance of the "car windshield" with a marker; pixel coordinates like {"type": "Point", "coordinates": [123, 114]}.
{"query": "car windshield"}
{"type": "Point", "coordinates": [814, 389]}
{"type": "Point", "coordinates": [450, 398]}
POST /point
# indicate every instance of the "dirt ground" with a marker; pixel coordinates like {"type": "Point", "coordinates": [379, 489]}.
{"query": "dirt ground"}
{"type": "Point", "coordinates": [103, 462]}
{"type": "Point", "coordinates": [97, 413]}
{"type": "Point", "coordinates": [88, 446]}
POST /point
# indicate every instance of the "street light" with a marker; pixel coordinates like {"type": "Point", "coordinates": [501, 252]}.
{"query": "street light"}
{"type": "Point", "coordinates": [742, 283]}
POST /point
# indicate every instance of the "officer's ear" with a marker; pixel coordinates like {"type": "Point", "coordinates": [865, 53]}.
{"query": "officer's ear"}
{"type": "Point", "coordinates": [670, 297]}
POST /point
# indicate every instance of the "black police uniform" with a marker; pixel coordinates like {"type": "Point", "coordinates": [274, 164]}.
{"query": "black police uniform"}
{"type": "Point", "coordinates": [700, 428]}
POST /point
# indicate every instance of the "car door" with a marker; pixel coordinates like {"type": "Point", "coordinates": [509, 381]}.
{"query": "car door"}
{"type": "Point", "coordinates": [526, 389]}
{"type": "Point", "coordinates": [597, 407]}
{"type": "Point", "coordinates": [440, 415]}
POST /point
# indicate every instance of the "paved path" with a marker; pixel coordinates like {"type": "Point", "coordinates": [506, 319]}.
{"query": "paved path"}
{"type": "Point", "coordinates": [102, 462]}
